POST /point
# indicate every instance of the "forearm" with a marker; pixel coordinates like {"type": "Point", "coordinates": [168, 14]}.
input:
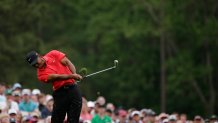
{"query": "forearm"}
{"type": "Point", "coordinates": [56, 77]}
{"type": "Point", "coordinates": [71, 67]}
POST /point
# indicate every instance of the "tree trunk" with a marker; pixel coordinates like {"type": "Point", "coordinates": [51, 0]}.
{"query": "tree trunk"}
{"type": "Point", "coordinates": [163, 74]}
{"type": "Point", "coordinates": [162, 60]}
{"type": "Point", "coordinates": [212, 93]}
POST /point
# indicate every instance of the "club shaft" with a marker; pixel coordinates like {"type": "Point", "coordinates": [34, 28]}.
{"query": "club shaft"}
{"type": "Point", "coordinates": [101, 71]}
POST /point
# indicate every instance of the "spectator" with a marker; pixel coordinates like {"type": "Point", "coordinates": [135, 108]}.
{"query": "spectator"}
{"type": "Point", "coordinates": [12, 115]}
{"type": "Point", "coordinates": [85, 114]}
{"type": "Point", "coordinates": [35, 95]}
{"type": "Point", "coordinates": [11, 104]}
{"type": "Point", "coordinates": [150, 115]}
{"type": "Point", "coordinates": [16, 96]}
{"type": "Point", "coordinates": [183, 118]}
{"type": "Point", "coordinates": [122, 115]}
{"type": "Point", "coordinates": [35, 116]}
{"type": "Point", "coordinates": [91, 106]}
{"type": "Point", "coordinates": [3, 100]}
{"type": "Point", "coordinates": [47, 111]}
{"type": "Point", "coordinates": [110, 106]}
{"type": "Point", "coordinates": [101, 100]}
{"type": "Point", "coordinates": [17, 87]}
{"type": "Point", "coordinates": [165, 120]}
{"type": "Point", "coordinates": [213, 119]}
{"type": "Point", "coordinates": [48, 119]}
{"type": "Point", "coordinates": [172, 119]}
{"type": "Point", "coordinates": [136, 117]}
{"type": "Point", "coordinates": [27, 105]}
{"type": "Point", "coordinates": [197, 119]}
{"type": "Point", "coordinates": [19, 117]}
{"type": "Point", "coordinates": [162, 117]}
{"type": "Point", "coordinates": [42, 101]}
{"type": "Point", "coordinates": [101, 117]}
{"type": "Point", "coordinates": [4, 118]}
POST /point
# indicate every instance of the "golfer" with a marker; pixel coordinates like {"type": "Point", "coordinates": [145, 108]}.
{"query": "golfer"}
{"type": "Point", "coordinates": [56, 68]}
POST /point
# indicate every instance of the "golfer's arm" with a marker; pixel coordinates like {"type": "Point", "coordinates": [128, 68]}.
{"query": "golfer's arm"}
{"type": "Point", "coordinates": [55, 77]}
{"type": "Point", "coordinates": [65, 61]}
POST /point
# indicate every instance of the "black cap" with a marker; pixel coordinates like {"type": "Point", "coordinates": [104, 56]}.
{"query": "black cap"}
{"type": "Point", "coordinates": [31, 57]}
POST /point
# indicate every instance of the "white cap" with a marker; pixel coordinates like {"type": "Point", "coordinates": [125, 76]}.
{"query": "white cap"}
{"type": "Point", "coordinates": [166, 120]}
{"type": "Point", "coordinates": [17, 85]}
{"type": "Point", "coordinates": [172, 117]}
{"type": "Point", "coordinates": [16, 93]}
{"type": "Point", "coordinates": [48, 97]}
{"type": "Point", "coordinates": [36, 114]}
{"type": "Point", "coordinates": [26, 92]}
{"type": "Point", "coordinates": [90, 104]}
{"type": "Point", "coordinates": [86, 121]}
{"type": "Point", "coordinates": [135, 113]}
{"type": "Point", "coordinates": [101, 100]}
{"type": "Point", "coordinates": [12, 111]}
{"type": "Point", "coordinates": [36, 92]}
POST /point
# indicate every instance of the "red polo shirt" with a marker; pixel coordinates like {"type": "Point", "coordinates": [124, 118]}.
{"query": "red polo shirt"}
{"type": "Point", "coordinates": [54, 66]}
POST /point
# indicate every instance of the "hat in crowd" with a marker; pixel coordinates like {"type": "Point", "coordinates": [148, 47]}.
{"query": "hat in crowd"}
{"type": "Point", "coordinates": [91, 104]}
{"type": "Point", "coordinates": [48, 98]}
{"type": "Point", "coordinates": [24, 113]}
{"type": "Point", "coordinates": [12, 111]}
{"type": "Point", "coordinates": [36, 92]}
{"type": "Point", "coordinates": [16, 93]}
{"type": "Point", "coordinates": [110, 106]}
{"type": "Point", "coordinates": [27, 118]}
{"type": "Point", "coordinates": [172, 118]}
{"type": "Point", "coordinates": [213, 117]}
{"type": "Point", "coordinates": [16, 85]}
{"type": "Point", "coordinates": [101, 100]}
{"type": "Point", "coordinates": [148, 112]}
{"type": "Point", "coordinates": [86, 121]}
{"type": "Point", "coordinates": [26, 92]}
{"type": "Point", "coordinates": [3, 115]}
{"type": "Point", "coordinates": [135, 113]}
{"type": "Point", "coordinates": [163, 116]}
{"type": "Point", "coordinates": [166, 120]}
{"type": "Point", "coordinates": [197, 117]}
{"type": "Point", "coordinates": [31, 57]}
{"type": "Point", "coordinates": [35, 114]}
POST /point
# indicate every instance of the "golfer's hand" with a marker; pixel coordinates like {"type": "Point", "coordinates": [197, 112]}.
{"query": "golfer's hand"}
{"type": "Point", "coordinates": [76, 76]}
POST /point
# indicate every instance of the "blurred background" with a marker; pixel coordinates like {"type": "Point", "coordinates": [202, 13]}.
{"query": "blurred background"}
{"type": "Point", "coordinates": [167, 49]}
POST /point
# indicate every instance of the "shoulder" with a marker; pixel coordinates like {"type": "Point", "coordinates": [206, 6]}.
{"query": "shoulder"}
{"type": "Point", "coordinates": [55, 53]}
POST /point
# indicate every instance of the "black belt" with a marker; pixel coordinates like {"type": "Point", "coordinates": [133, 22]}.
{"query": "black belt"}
{"type": "Point", "coordinates": [65, 87]}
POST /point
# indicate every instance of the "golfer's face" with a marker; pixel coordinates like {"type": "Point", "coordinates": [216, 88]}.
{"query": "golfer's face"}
{"type": "Point", "coordinates": [40, 63]}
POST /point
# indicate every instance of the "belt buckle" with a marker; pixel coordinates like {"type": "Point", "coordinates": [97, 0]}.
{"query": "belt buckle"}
{"type": "Point", "coordinates": [66, 87]}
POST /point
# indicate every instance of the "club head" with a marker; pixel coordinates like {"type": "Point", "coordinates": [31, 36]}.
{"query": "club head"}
{"type": "Point", "coordinates": [115, 63]}
{"type": "Point", "coordinates": [83, 71]}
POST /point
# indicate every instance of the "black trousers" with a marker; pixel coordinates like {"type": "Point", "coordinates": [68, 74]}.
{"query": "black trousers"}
{"type": "Point", "coordinates": [68, 100]}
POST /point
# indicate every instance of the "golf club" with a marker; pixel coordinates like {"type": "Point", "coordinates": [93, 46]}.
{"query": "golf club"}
{"type": "Point", "coordinates": [115, 65]}
{"type": "Point", "coordinates": [110, 68]}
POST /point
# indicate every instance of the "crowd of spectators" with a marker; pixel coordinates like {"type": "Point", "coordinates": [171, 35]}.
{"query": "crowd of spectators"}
{"type": "Point", "coordinates": [23, 105]}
